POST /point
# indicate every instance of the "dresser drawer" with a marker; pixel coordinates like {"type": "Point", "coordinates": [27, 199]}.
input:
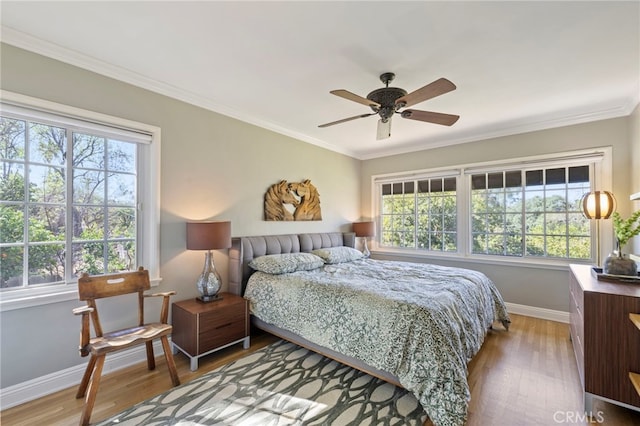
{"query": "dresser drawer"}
{"type": "Point", "coordinates": [576, 294]}
{"type": "Point", "coordinates": [577, 339]}
{"type": "Point", "coordinates": [576, 308]}
{"type": "Point", "coordinates": [576, 323]}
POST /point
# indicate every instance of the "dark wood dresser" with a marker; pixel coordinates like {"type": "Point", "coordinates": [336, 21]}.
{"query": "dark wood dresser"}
{"type": "Point", "coordinates": [606, 337]}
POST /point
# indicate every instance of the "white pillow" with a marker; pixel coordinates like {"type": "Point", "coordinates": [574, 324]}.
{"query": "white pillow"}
{"type": "Point", "coordinates": [338, 254]}
{"type": "Point", "coordinates": [286, 262]}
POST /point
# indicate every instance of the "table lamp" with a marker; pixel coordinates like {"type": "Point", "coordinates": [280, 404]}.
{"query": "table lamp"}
{"type": "Point", "coordinates": [365, 230]}
{"type": "Point", "coordinates": [208, 236]}
{"type": "Point", "coordinates": [598, 205]}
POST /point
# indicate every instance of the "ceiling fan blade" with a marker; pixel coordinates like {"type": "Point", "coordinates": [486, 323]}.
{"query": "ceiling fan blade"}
{"type": "Point", "coordinates": [431, 90]}
{"type": "Point", "coordinates": [430, 117]}
{"type": "Point", "coordinates": [384, 129]}
{"type": "Point", "coordinates": [344, 120]}
{"type": "Point", "coordinates": [353, 97]}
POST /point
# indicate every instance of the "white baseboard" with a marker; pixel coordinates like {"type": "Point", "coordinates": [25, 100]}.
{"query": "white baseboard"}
{"type": "Point", "coordinates": [45, 385]}
{"type": "Point", "coordinates": [542, 313]}
{"type": "Point", "coordinates": [70, 377]}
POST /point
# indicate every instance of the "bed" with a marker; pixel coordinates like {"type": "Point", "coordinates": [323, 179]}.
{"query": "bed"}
{"type": "Point", "coordinates": [414, 325]}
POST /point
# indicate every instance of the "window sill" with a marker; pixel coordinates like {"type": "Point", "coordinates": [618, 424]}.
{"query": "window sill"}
{"type": "Point", "coordinates": [407, 255]}
{"type": "Point", "coordinates": [21, 299]}
{"type": "Point", "coordinates": [11, 300]}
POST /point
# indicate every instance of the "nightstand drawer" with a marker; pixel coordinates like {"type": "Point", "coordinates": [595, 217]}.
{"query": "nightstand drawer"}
{"type": "Point", "coordinates": [222, 327]}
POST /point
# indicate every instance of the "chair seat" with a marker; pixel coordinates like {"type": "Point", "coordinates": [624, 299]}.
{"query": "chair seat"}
{"type": "Point", "coordinates": [120, 339]}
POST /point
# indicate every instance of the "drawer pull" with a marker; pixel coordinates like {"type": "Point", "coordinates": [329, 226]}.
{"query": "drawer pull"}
{"type": "Point", "coordinates": [223, 325]}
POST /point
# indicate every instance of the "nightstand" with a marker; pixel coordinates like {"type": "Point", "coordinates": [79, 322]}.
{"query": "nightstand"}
{"type": "Point", "coordinates": [202, 328]}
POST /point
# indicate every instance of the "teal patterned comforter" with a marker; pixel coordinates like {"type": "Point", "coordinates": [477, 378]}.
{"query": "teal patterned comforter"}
{"type": "Point", "coordinates": [420, 322]}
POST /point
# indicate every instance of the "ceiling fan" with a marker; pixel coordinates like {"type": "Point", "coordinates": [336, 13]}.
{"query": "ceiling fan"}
{"type": "Point", "coordinates": [387, 101]}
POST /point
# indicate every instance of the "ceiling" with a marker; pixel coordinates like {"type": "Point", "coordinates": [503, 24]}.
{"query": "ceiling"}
{"type": "Point", "coordinates": [518, 66]}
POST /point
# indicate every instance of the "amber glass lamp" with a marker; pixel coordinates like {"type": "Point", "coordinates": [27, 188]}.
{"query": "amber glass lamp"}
{"type": "Point", "coordinates": [208, 236]}
{"type": "Point", "coordinates": [598, 205]}
{"type": "Point", "coordinates": [365, 230]}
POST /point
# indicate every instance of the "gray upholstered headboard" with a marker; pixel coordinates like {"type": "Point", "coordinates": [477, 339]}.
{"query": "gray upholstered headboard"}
{"type": "Point", "coordinates": [244, 249]}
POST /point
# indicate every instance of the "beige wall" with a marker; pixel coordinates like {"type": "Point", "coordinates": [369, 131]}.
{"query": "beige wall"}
{"type": "Point", "coordinates": [530, 286]}
{"type": "Point", "coordinates": [213, 167]}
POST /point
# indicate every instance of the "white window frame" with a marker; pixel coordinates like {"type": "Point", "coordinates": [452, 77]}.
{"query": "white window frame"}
{"type": "Point", "coordinates": [148, 234]}
{"type": "Point", "coordinates": [601, 179]}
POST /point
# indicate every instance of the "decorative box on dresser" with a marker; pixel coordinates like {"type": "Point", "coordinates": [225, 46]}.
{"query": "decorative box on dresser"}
{"type": "Point", "coordinates": [605, 332]}
{"type": "Point", "coordinates": [202, 328]}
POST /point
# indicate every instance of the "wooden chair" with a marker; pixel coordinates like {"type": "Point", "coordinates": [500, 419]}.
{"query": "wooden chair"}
{"type": "Point", "coordinates": [91, 288]}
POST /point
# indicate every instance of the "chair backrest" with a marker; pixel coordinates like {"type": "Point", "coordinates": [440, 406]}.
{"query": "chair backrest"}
{"type": "Point", "coordinates": [95, 287]}
{"type": "Point", "coordinates": [99, 286]}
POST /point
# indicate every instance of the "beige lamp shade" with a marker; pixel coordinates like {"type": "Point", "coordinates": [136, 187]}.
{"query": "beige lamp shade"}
{"type": "Point", "coordinates": [598, 204]}
{"type": "Point", "coordinates": [208, 235]}
{"type": "Point", "coordinates": [364, 229]}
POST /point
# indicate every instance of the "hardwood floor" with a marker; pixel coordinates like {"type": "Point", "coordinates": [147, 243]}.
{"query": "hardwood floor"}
{"type": "Point", "coordinates": [526, 376]}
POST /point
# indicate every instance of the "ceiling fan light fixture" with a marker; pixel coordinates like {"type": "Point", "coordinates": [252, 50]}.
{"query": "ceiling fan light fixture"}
{"type": "Point", "coordinates": [384, 129]}
{"type": "Point", "coordinates": [387, 101]}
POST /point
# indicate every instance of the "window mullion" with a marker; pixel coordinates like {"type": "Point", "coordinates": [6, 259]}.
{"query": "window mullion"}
{"type": "Point", "coordinates": [105, 210]}
{"type": "Point", "coordinates": [463, 214]}
{"type": "Point", "coordinates": [26, 207]}
{"type": "Point", "coordinates": [523, 215]}
{"type": "Point", "coordinates": [505, 232]}
{"type": "Point", "coordinates": [566, 214]}
{"type": "Point", "coordinates": [68, 259]}
{"type": "Point", "coordinates": [416, 222]}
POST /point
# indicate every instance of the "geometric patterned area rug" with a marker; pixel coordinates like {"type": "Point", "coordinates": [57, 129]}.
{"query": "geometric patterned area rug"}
{"type": "Point", "coordinates": [280, 384]}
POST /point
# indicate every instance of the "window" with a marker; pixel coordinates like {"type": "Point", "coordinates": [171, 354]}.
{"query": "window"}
{"type": "Point", "coordinates": [531, 213]}
{"type": "Point", "coordinates": [71, 193]}
{"type": "Point", "coordinates": [524, 209]}
{"type": "Point", "coordinates": [420, 214]}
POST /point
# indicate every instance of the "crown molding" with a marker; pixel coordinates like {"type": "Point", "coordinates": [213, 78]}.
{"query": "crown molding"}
{"type": "Point", "coordinates": [623, 108]}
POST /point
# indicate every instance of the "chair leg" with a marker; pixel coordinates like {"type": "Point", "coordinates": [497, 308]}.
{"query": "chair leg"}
{"type": "Point", "coordinates": [171, 365]}
{"type": "Point", "coordinates": [151, 361]}
{"type": "Point", "coordinates": [82, 389]}
{"type": "Point", "coordinates": [90, 400]}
